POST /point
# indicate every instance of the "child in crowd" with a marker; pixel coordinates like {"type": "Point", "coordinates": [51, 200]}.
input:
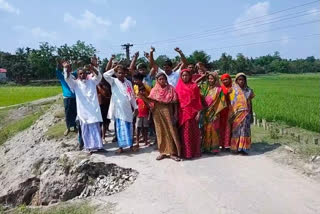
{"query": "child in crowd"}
{"type": "Point", "coordinates": [142, 118]}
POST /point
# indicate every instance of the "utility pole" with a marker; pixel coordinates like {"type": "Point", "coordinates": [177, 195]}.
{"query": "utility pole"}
{"type": "Point", "coordinates": [127, 48]}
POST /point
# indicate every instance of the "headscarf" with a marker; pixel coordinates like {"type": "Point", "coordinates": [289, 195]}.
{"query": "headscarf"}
{"type": "Point", "coordinates": [225, 88]}
{"type": "Point", "coordinates": [189, 98]}
{"type": "Point", "coordinates": [245, 77]}
{"type": "Point", "coordinates": [165, 94]}
{"type": "Point", "coordinates": [205, 87]}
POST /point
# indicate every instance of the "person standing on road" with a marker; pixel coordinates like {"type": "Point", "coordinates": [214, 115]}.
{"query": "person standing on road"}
{"type": "Point", "coordinates": [241, 115]}
{"type": "Point", "coordinates": [89, 113]}
{"type": "Point", "coordinates": [69, 99]}
{"type": "Point", "coordinates": [189, 112]}
{"type": "Point", "coordinates": [214, 101]}
{"type": "Point", "coordinates": [123, 106]}
{"type": "Point", "coordinates": [225, 126]}
{"type": "Point", "coordinates": [163, 102]}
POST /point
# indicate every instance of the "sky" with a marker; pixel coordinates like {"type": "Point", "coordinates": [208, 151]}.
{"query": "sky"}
{"type": "Point", "coordinates": [251, 27]}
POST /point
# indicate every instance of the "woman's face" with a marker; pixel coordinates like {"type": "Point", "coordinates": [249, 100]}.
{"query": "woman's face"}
{"type": "Point", "coordinates": [211, 80]}
{"type": "Point", "coordinates": [162, 81]}
{"type": "Point", "coordinates": [185, 77]}
{"type": "Point", "coordinates": [226, 81]}
{"type": "Point", "coordinates": [241, 81]}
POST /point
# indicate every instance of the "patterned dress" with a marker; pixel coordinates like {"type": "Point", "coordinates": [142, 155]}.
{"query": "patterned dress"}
{"type": "Point", "coordinates": [242, 118]}
{"type": "Point", "coordinates": [210, 120]}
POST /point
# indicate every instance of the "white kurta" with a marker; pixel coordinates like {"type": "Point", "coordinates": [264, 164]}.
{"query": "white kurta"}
{"type": "Point", "coordinates": [122, 99]}
{"type": "Point", "coordinates": [88, 109]}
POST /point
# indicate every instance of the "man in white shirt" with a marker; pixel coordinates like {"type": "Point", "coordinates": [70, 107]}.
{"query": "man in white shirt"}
{"type": "Point", "coordinates": [88, 109]}
{"type": "Point", "coordinates": [172, 76]}
{"type": "Point", "coordinates": [121, 105]}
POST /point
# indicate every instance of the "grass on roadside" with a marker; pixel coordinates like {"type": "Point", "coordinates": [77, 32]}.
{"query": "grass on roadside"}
{"type": "Point", "coordinates": [260, 138]}
{"type": "Point", "coordinates": [17, 126]}
{"type": "Point", "coordinates": [79, 208]}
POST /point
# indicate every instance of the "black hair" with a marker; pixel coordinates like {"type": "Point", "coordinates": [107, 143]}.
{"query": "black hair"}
{"type": "Point", "coordinates": [142, 66]}
{"type": "Point", "coordinates": [168, 62]}
{"type": "Point", "coordinates": [159, 74]}
{"type": "Point", "coordinates": [142, 88]}
{"type": "Point", "coordinates": [138, 76]}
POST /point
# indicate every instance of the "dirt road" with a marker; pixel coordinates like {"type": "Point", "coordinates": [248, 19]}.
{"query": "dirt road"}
{"type": "Point", "coordinates": [212, 184]}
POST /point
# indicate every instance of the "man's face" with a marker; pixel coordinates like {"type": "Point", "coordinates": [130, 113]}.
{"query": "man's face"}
{"type": "Point", "coordinates": [82, 75]}
{"type": "Point", "coordinates": [167, 69]}
{"type": "Point", "coordinates": [191, 68]}
{"type": "Point", "coordinates": [121, 74]}
{"type": "Point", "coordinates": [142, 71]}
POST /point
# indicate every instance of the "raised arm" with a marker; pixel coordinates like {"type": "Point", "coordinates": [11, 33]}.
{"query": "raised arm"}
{"type": "Point", "coordinates": [177, 66]}
{"type": "Point", "coordinates": [96, 74]}
{"type": "Point", "coordinates": [147, 56]}
{"type": "Point", "coordinates": [109, 64]}
{"type": "Point", "coordinates": [108, 75]}
{"type": "Point", "coordinates": [132, 67]}
{"type": "Point", "coordinates": [151, 59]}
{"type": "Point", "coordinates": [184, 62]}
{"type": "Point", "coordinates": [200, 78]}
{"type": "Point", "coordinates": [68, 78]}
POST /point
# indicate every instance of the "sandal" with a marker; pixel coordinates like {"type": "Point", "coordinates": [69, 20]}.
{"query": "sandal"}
{"type": "Point", "coordinates": [160, 157]}
{"type": "Point", "coordinates": [175, 158]}
{"type": "Point", "coordinates": [119, 151]}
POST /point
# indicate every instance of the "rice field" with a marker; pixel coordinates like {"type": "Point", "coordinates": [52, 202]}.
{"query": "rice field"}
{"type": "Point", "coordinates": [11, 95]}
{"type": "Point", "coordinates": [292, 98]}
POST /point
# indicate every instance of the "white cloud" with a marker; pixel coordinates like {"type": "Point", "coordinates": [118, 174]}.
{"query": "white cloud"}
{"type": "Point", "coordinates": [5, 6]}
{"type": "Point", "coordinates": [88, 21]}
{"type": "Point", "coordinates": [257, 10]}
{"type": "Point", "coordinates": [128, 23]}
{"type": "Point", "coordinates": [37, 32]}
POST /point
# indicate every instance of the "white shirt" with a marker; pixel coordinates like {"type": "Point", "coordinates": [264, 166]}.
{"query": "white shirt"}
{"type": "Point", "coordinates": [173, 77]}
{"type": "Point", "coordinates": [88, 109]}
{"type": "Point", "coordinates": [122, 99]}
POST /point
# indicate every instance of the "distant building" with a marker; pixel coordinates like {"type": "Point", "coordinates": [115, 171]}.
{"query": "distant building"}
{"type": "Point", "coordinates": [3, 75]}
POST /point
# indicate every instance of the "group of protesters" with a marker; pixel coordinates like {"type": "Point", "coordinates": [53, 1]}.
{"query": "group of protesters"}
{"type": "Point", "coordinates": [188, 107]}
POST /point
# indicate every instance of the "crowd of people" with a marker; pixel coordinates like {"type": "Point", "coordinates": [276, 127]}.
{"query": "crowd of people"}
{"type": "Point", "coordinates": [188, 108]}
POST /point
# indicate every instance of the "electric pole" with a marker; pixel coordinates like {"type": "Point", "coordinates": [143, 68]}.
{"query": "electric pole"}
{"type": "Point", "coordinates": [127, 48]}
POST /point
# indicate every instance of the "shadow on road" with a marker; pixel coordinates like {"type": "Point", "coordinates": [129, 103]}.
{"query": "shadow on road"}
{"type": "Point", "coordinates": [262, 147]}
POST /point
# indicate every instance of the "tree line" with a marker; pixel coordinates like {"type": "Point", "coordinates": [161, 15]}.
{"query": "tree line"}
{"type": "Point", "coordinates": [39, 64]}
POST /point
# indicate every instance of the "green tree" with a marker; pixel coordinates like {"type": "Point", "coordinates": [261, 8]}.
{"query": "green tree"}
{"type": "Point", "coordinates": [225, 63]}
{"type": "Point", "coordinates": [43, 61]}
{"type": "Point", "coordinates": [161, 59]}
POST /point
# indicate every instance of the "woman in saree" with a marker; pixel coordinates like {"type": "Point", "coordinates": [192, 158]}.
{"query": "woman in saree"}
{"type": "Point", "coordinates": [225, 126]}
{"type": "Point", "coordinates": [163, 102]}
{"type": "Point", "coordinates": [189, 112]}
{"type": "Point", "coordinates": [214, 101]}
{"type": "Point", "coordinates": [241, 115]}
